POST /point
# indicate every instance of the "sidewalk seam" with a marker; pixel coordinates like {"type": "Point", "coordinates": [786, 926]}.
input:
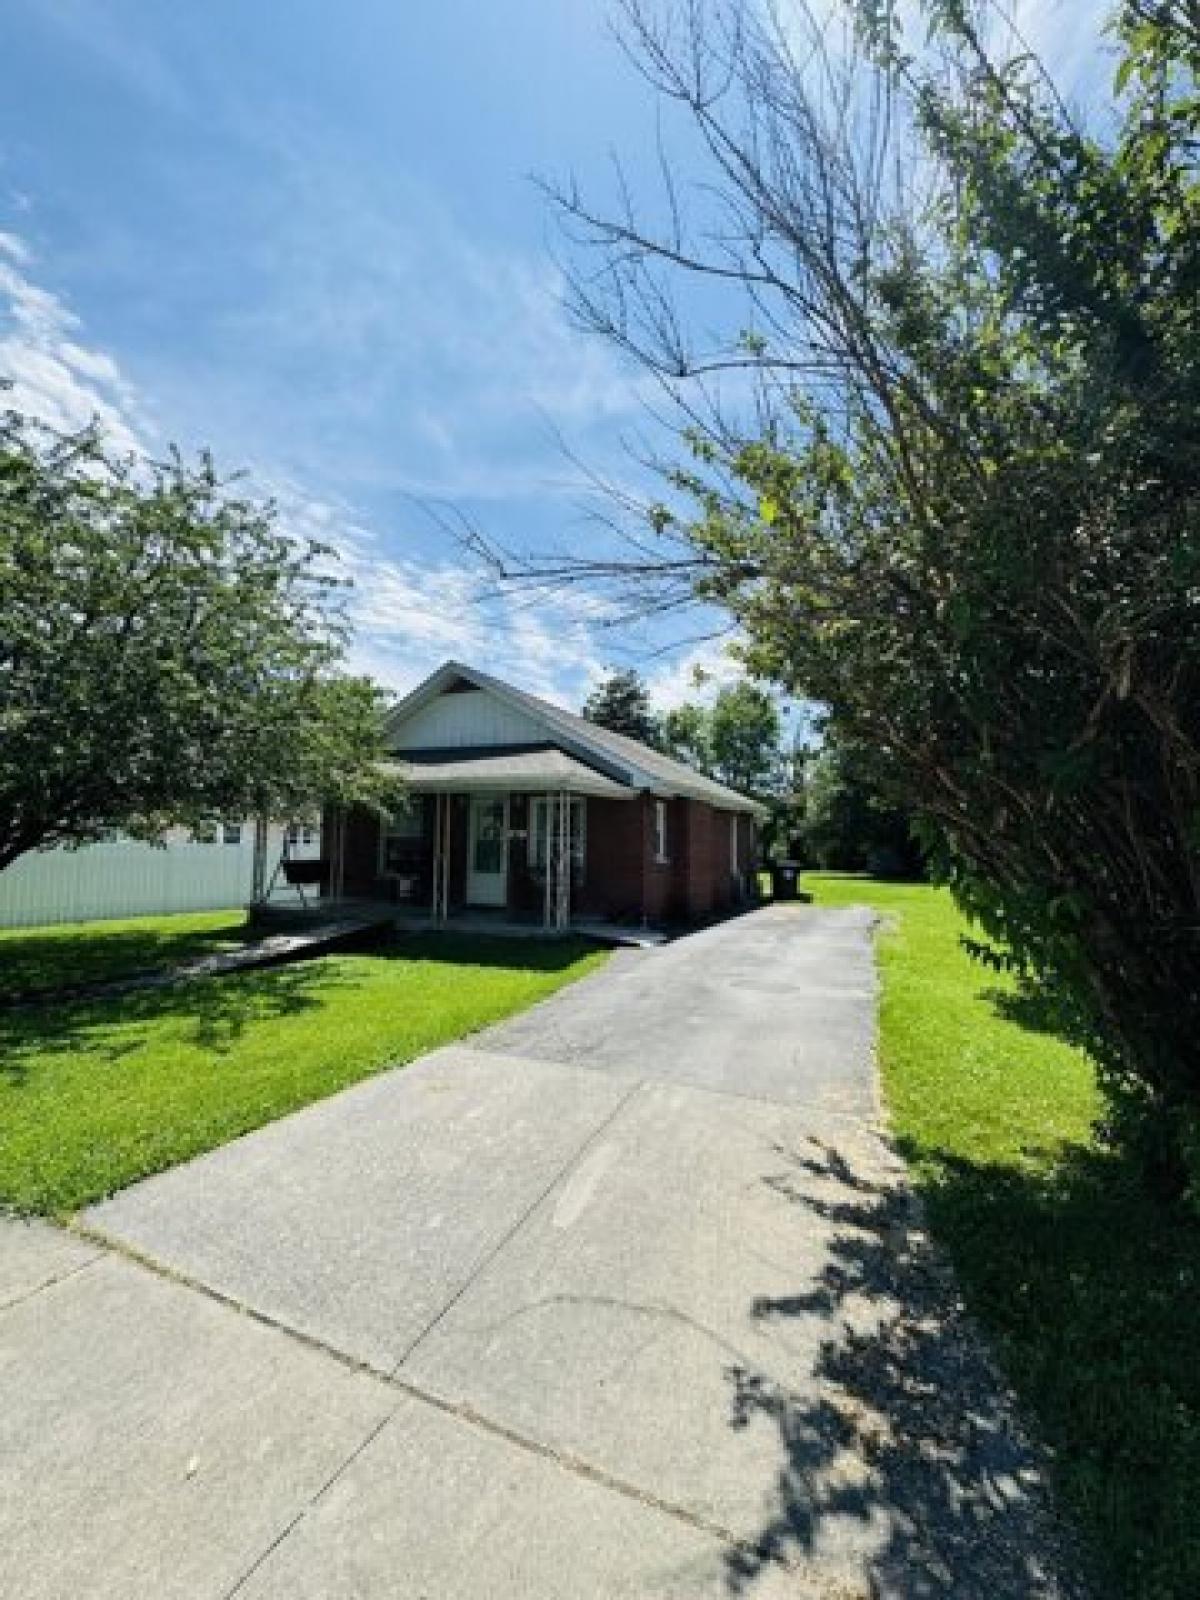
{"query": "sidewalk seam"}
{"type": "Point", "coordinates": [461, 1412]}
{"type": "Point", "coordinates": [870, 1120]}
{"type": "Point", "coordinates": [572, 1161]}
{"type": "Point", "coordinates": [51, 1283]}
{"type": "Point", "coordinates": [269, 1550]}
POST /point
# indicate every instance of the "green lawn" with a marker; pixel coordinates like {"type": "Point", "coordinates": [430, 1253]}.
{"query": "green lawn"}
{"type": "Point", "coordinates": [1090, 1294]}
{"type": "Point", "coordinates": [96, 1094]}
{"type": "Point", "coordinates": [92, 952]}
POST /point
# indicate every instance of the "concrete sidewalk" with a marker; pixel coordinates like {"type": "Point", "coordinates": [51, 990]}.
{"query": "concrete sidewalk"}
{"type": "Point", "coordinates": [586, 1309]}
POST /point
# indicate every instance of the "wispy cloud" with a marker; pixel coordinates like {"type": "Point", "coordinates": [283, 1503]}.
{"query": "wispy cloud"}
{"type": "Point", "coordinates": [121, 48]}
{"type": "Point", "coordinates": [412, 615]}
{"type": "Point", "coordinates": [55, 376]}
{"type": "Point", "coordinates": [1067, 36]}
{"type": "Point", "coordinates": [429, 361]}
{"type": "Point", "coordinates": [1071, 43]}
{"type": "Point", "coordinates": [408, 614]}
{"type": "Point", "coordinates": [699, 674]}
{"type": "Point", "coordinates": [15, 248]}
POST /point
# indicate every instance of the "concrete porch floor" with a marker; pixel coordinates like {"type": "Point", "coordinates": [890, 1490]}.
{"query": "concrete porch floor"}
{"type": "Point", "coordinates": [419, 919]}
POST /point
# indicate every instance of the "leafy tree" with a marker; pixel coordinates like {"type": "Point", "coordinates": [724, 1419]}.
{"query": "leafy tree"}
{"type": "Point", "coordinates": [621, 703]}
{"type": "Point", "coordinates": [847, 822]}
{"type": "Point", "coordinates": [735, 740]}
{"type": "Point", "coordinates": [685, 735]}
{"type": "Point", "coordinates": [167, 654]}
{"type": "Point", "coordinates": [743, 738]}
{"type": "Point", "coordinates": [963, 510]}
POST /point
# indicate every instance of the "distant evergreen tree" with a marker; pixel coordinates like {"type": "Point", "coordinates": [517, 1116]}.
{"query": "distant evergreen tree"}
{"type": "Point", "coordinates": [621, 703]}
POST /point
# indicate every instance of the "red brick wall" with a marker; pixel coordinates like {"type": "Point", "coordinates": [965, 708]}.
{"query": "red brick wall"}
{"type": "Point", "coordinates": [612, 883]}
{"type": "Point", "coordinates": [711, 885]}
{"type": "Point", "coordinates": [622, 879]}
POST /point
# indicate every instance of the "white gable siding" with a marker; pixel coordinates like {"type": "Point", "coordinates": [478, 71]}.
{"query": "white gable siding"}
{"type": "Point", "coordinates": [470, 718]}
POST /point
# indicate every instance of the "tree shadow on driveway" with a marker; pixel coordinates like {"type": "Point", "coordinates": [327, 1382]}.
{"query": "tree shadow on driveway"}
{"type": "Point", "coordinates": [909, 1433]}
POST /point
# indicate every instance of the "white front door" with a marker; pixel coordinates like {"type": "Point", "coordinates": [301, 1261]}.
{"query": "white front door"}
{"type": "Point", "coordinates": [487, 852]}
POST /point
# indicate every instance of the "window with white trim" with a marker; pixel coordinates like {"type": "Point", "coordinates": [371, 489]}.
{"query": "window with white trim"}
{"type": "Point", "coordinates": [660, 832]}
{"type": "Point", "coordinates": [540, 812]}
{"type": "Point", "coordinates": [301, 833]}
{"type": "Point", "coordinates": [400, 838]}
{"type": "Point", "coordinates": [231, 833]}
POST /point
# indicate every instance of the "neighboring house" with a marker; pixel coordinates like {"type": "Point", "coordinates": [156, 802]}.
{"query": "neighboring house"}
{"type": "Point", "coordinates": [521, 807]}
{"type": "Point", "coordinates": [122, 877]}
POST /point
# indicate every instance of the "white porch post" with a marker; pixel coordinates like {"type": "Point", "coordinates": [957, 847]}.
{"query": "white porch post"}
{"type": "Point", "coordinates": [446, 800]}
{"type": "Point", "coordinates": [441, 857]}
{"type": "Point", "coordinates": [562, 898]}
{"type": "Point", "coordinates": [547, 888]}
{"type": "Point", "coordinates": [436, 861]}
{"type": "Point", "coordinates": [556, 867]}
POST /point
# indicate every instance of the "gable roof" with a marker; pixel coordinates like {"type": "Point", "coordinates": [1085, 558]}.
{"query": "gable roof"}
{"type": "Point", "coordinates": [626, 760]}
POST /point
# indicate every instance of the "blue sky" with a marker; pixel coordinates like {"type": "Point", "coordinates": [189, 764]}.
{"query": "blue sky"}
{"type": "Point", "coordinates": [305, 236]}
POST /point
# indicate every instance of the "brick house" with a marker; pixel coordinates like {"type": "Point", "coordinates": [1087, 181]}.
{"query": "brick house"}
{"type": "Point", "coordinates": [517, 805]}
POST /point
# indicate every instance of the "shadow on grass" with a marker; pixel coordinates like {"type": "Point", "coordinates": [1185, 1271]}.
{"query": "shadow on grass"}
{"type": "Point", "coordinates": [907, 1445]}
{"type": "Point", "coordinates": [211, 1012]}
{"type": "Point", "coordinates": [1026, 1006]}
{"type": "Point", "coordinates": [1091, 1291]}
{"type": "Point", "coordinates": [36, 965]}
{"type": "Point", "coordinates": [215, 1011]}
{"type": "Point", "coordinates": [513, 953]}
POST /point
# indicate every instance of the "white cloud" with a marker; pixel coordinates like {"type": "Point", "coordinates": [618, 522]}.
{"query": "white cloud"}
{"type": "Point", "coordinates": [697, 675]}
{"type": "Point", "coordinates": [409, 614]}
{"type": "Point", "coordinates": [412, 615]}
{"type": "Point", "coordinates": [15, 248]}
{"type": "Point", "coordinates": [1067, 36]}
{"type": "Point", "coordinates": [54, 377]}
{"type": "Point", "coordinates": [121, 49]}
{"type": "Point", "coordinates": [1070, 42]}
{"type": "Point", "coordinates": [434, 363]}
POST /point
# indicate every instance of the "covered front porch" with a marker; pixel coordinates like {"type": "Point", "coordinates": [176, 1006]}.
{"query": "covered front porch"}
{"type": "Point", "coordinates": [521, 840]}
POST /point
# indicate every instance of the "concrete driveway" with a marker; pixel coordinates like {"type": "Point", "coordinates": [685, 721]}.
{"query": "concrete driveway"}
{"type": "Point", "coordinates": [624, 1298]}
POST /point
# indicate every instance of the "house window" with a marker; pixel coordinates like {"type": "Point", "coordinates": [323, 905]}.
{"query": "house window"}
{"type": "Point", "coordinates": [541, 810]}
{"type": "Point", "coordinates": [231, 833]}
{"type": "Point", "coordinates": [400, 840]}
{"type": "Point", "coordinates": [660, 832]}
{"type": "Point", "coordinates": [301, 833]}
{"type": "Point", "coordinates": [734, 864]}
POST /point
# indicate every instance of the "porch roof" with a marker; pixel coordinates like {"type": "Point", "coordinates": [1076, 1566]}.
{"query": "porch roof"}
{"type": "Point", "coordinates": [522, 771]}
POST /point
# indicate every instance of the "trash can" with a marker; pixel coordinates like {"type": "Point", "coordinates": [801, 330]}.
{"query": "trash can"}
{"type": "Point", "coordinates": [785, 880]}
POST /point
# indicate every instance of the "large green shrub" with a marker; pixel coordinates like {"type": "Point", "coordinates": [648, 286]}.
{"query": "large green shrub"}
{"type": "Point", "coordinates": [963, 510]}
